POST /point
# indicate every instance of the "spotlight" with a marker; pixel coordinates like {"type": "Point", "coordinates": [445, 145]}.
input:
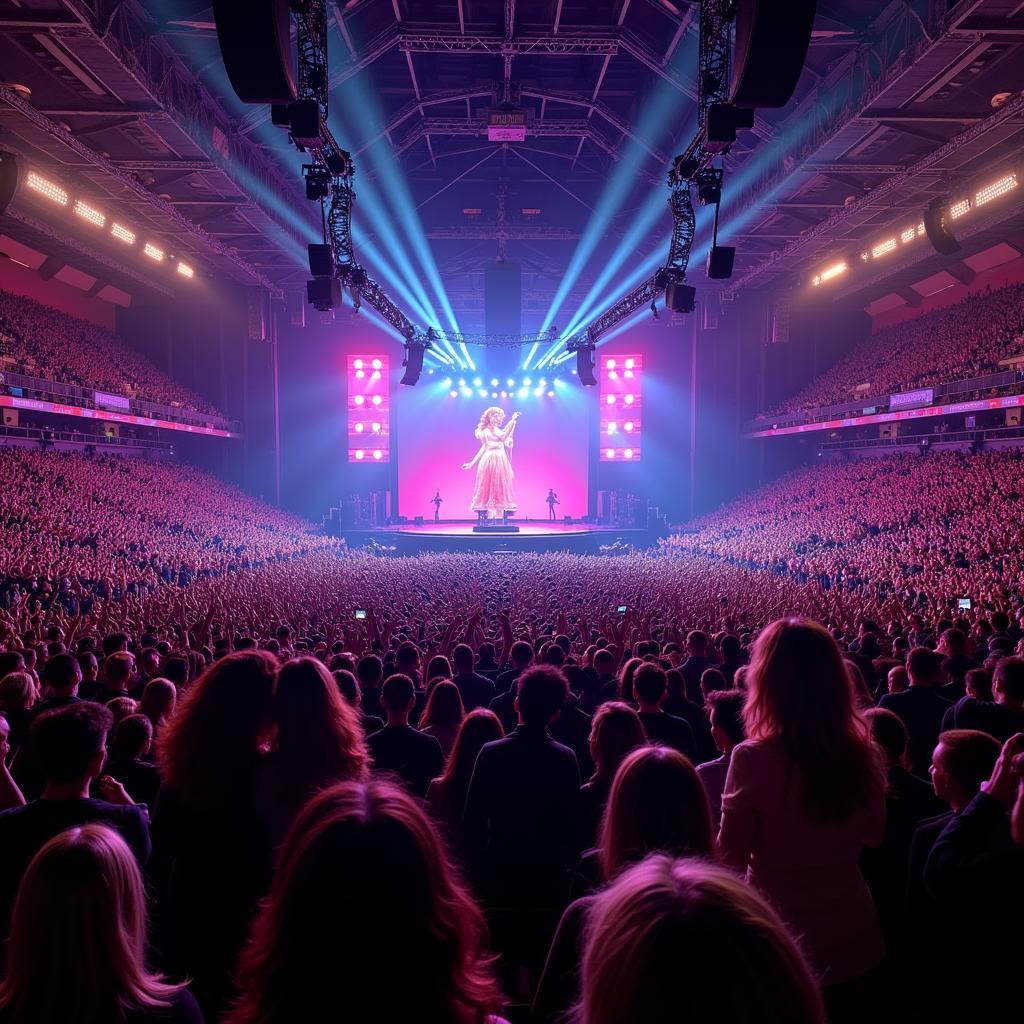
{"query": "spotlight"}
{"type": "Point", "coordinates": [537, 392]}
{"type": "Point", "coordinates": [462, 383]}
{"type": "Point", "coordinates": [185, 270]}
{"type": "Point", "coordinates": [447, 382]}
{"type": "Point", "coordinates": [629, 427]}
{"type": "Point", "coordinates": [523, 392]}
{"type": "Point", "coordinates": [153, 252]}
{"type": "Point", "coordinates": [527, 382]}
{"type": "Point", "coordinates": [360, 400]}
{"type": "Point", "coordinates": [466, 393]}
{"type": "Point", "coordinates": [359, 454]}
{"type": "Point", "coordinates": [610, 399]}
{"type": "Point", "coordinates": [89, 214]}
{"type": "Point", "coordinates": [453, 394]}
{"type": "Point", "coordinates": [609, 364]}
{"type": "Point", "coordinates": [551, 394]}
{"type": "Point", "coordinates": [630, 363]}
{"type": "Point", "coordinates": [46, 188]}
{"type": "Point", "coordinates": [358, 364]}
{"type": "Point", "coordinates": [483, 392]}
{"type": "Point", "coordinates": [613, 374]}
{"type": "Point", "coordinates": [510, 382]}
{"type": "Point", "coordinates": [609, 453]}
{"type": "Point", "coordinates": [376, 364]}
{"type": "Point", "coordinates": [629, 399]}
{"type": "Point", "coordinates": [494, 382]}
{"type": "Point", "coordinates": [376, 428]}
{"type": "Point", "coordinates": [359, 428]}
{"type": "Point", "coordinates": [628, 453]}
{"type": "Point", "coordinates": [378, 454]}
{"type": "Point", "coordinates": [612, 427]}
{"type": "Point", "coordinates": [377, 399]}
{"type": "Point", "coordinates": [318, 182]}
{"type": "Point", "coordinates": [122, 234]}
{"type": "Point", "coordinates": [375, 375]}
{"type": "Point", "coordinates": [477, 382]}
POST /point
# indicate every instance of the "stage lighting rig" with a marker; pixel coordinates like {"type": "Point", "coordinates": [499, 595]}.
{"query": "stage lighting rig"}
{"type": "Point", "coordinates": [318, 182]}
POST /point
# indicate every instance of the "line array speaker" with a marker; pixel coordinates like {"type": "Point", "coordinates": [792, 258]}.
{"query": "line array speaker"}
{"type": "Point", "coordinates": [255, 43]}
{"type": "Point", "coordinates": [772, 37]}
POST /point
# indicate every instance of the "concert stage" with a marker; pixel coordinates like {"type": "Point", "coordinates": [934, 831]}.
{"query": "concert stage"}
{"type": "Point", "coordinates": [458, 535]}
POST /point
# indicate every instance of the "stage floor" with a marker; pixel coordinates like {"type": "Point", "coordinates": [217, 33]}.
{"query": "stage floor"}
{"type": "Point", "coordinates": [458, 535]}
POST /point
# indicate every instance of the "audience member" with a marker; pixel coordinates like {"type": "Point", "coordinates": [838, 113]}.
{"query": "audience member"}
{"type": "Point", "coordinates": [398, 748]}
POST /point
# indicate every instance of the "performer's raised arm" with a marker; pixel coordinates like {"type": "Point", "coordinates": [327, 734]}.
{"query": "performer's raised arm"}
{"type": "Point", "coordinates": [506, 434]}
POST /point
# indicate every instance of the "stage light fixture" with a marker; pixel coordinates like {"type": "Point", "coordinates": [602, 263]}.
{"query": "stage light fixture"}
{"type": "Point", "coordinates": [995, 190]}
{"type": "Point", "coordinates": [358, 364]}
{"type": "Point", "coordinates": [629, 399]}
{"type": "Point", "coordinates": [153, 252]}
{"type": "Point", "coordinates": [527, 382]}
{"type": "Point", "coordinates": [629, 427]}
{"type": "Point", "coordinates": [609, 453]}
{"type": "Point", "coordinates": [376, 364]}
{"type": "Point", "coordinates": [46, 188]}
{"type": "Point", "coordinates": [609, 364]}
{"type": "Point", "coordinates": [523, 392]}
{"type": "Point", "coordinates": [375, 375]}
{"type": "Point", "coordinates": [359, 428]}
{"type": "Point", "coordinates": [830, 272]}
{"type": "Point", "coordinates": [511, 382]}
{"type": "Point", "coordinates": [613, 374]}
{"type": "Point", "coordinates": [610, 399]}
{"type": "Point", "coordinates": [453, 394]}
{"type": "Point", "coordinates": [360, 374]}
{"type": "Point", "coordinates": [360, 400]}
{"type": "Point", "coordinates": [378, 454]}
{"type": "Point", "coordinates": [551, 394]}
{"type": "Point", "coordinates": [612, 428]}
{"type": "Point", "coordinates": [185, 270]}
{"type": "Point", "coordinates": [959, 209]}
{"type": "Point", "coordinates": [630, 363]}
{"type": "Point", "coordinates": [537, 392]}
{"type": "Point", "coordinates": [122, 234]}
{"type": "Point", "coordinates": [376, 428]}
{"type": "Point", "coordinates": [628, 453]}
{"type": "Point", "coordinates": [883, 247]}
{"type": "Point", "coordinates": [494, 382]}
{"type": "Point", "coordinates": [360, 454]}
{"type": "Point", "coordinates": [88, 213]}
{"type": "Point", "coordinates": [318, 182]}
{"type": "Point", "coordinates": [466, 393]}
{"type": "Point", "coordinates": [376, 399]}
{"type": "Point", "coordinates": [477, 382]}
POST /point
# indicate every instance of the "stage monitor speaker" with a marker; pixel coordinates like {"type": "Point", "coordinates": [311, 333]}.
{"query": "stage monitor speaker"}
{"type": "Point", "coordinates": [321, 260]}
{"type": "Point", "coordinates": [413, 364]}
{"type": "Point", "coordinates": [937, 228]}
{"type": "Point", "coordinates": [680, 298]}
{"type": "Point", "coordinates": [324, 293]}
{"type": "Point", "coordinates": [255, 42]}
{"type": "Point", "coordinates": [8, 179]}
{"type": "Point", "coordinates": [585, 367]}
{"type": "Point", "coordinates": [720, 261]}
{"type": "Point", "coordinates": [772, 37]}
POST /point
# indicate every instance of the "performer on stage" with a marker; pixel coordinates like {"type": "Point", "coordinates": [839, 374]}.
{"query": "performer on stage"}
{"type": "Point", "coordinates": [436, 502]}
{"type": "Point", "coordinates": [493, 492]}
{"type": "Point", "coordinates": [552, 500]}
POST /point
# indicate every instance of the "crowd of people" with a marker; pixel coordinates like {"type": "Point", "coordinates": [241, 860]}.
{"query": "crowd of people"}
{"type": "Point", "coordinates": [83, 531]}
{"type": "Point", "coordinates": [249, 775]}
{"type": "Point", "coordinates": [957, 342]}
{"type": "Point", "coordinates": [39, 341]}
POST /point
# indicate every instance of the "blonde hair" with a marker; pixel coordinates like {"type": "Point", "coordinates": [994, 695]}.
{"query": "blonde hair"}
{"type": "Point", "coordinates": [78, 934]}
{"type": "Point", "coordinates": [488, 413]}
{"type": "Point", "coordinates": [17, 691]}
{"type": "Point", "coordinates": [800, 693]}
{"type": "Point", "coordinates": [688, 941]}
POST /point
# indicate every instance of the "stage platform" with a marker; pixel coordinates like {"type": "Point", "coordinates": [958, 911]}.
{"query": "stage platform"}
{"type": "Point", "coordinates": [533, 535]}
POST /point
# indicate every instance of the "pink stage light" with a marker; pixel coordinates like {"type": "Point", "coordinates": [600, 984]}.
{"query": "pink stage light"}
{"type": "Point", "coordinates": [621, 385]}
{"type": "Point", "coordinates": [365, 387]}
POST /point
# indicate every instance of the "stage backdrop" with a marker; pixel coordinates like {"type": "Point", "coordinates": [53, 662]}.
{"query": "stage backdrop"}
{"type": "Point", "coordinates": [434, 437]}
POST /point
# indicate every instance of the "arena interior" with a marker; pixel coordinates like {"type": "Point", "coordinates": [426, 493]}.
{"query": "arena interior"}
{"type": "Point", "coordinates": [511, 512]}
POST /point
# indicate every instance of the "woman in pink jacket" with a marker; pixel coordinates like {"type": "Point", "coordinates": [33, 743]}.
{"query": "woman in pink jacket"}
{"type": "Point", "coordinates": [804, 794]}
